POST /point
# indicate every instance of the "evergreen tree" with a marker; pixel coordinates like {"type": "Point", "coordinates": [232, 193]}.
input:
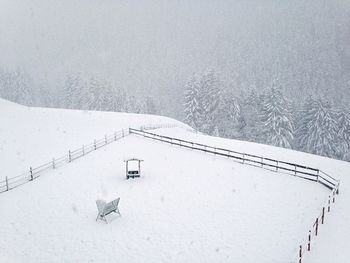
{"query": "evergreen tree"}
{"type": "Point", "coordinates": [16, 86]}
{"type": "Point", "coordinates": [133, 105]}
{"type": "Point", "coordinates": [276, 120]}
{"type": "Point", "coordinates": [192, 107]}
{"type": "Point", "coordinates": [150, 106]}
{"type": "Point", "coordinates": [250, 117]}
{"type": "Point", "coordinates": [117, 100]}
{"type": "Point", "coordinates": [73, 92]}
{"type": "Point", "coordinates": [98, 95]}
{"type": "Point", "coordinates": [343, 120]}
{"type": "Point", "coordinates": [317, 129]}
{"type": "Point", "coordinates": [209, 100]}
{"type": "Point", "coordinates": [228, 121]}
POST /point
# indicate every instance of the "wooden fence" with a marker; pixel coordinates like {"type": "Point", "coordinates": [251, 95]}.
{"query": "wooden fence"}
{"type": "Point", "coordinates": [302, 171]}
{"type": "Point", "coordinates": [34, 172]}
{"type": "Point", "coordinates": [305, 172]}
{"type": "Point", "coordinates": [314, 231]}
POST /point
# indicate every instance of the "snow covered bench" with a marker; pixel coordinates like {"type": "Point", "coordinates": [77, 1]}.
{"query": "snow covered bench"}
{"type": "Point", "coordinates": [107, 208]}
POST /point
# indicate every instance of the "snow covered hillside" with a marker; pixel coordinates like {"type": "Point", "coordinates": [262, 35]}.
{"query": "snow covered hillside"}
{"type": "Point", "coordinates": [30, 136]}
{"type": "Point", "coordinates": [186, 207]}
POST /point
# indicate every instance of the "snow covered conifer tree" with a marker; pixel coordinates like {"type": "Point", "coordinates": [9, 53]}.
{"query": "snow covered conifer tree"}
{"type": "Point", "coordinates": [276, 119]}
{"type": "Point", "coordinates": [98, 95]}
{"type": "Point", "coordinates": [133, 105]}
{"type": "Point", "coordinates": [209, 100]}
{"type": "Point", "coordinates": [250, 117]}
{"type": "Point", "coordinates": [343, 120]}
{"type": "Point", "coordinates": [228, 119]}
{"type": "Point", "coordinates": [150, 106]}
{"type": "Point", "coordinates": [73, 92]}
{"type": "Point", "coordinates": [192, 107]}
{"type": "Point", "coordinates": [318, 129]}
{"type": "Point", "coordinates": [16, 86]}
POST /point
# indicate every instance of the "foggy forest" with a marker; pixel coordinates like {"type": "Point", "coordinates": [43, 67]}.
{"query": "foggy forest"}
{"type": "Point", "coordinates": [272, 72]}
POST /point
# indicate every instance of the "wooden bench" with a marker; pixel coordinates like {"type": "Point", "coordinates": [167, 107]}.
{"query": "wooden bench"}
{"type": "Point", "coordinates": [105, 209]}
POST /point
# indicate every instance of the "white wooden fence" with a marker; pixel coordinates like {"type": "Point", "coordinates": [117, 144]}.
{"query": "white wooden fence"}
{"type": "Point", "coordinates": [301, 171]}
{"type": "Point", "coordinates": [34, 172]}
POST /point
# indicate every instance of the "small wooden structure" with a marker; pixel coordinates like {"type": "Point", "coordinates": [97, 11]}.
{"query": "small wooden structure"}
{"type": "Point", "coordinates": [133, 167]}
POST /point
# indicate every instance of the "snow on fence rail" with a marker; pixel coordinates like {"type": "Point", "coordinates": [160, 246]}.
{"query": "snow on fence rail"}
{"type": "Point", "coordinates": [34, 172]}
{"type": "Point", "coordinates": [298, 170]}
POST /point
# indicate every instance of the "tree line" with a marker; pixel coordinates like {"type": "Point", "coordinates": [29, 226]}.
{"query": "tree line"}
{"type": "Point", "coordinates": [312, 125]}
{"type": "Point", "coordinates": [309, 123]}
{"type": "Point", "coordinates": [77, 92]}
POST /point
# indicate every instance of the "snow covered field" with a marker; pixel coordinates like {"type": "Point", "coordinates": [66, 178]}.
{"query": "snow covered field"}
{"type": "Point", "coordinates": [31, 136]}
{"type": "Point", "coordinates": [186, 207]}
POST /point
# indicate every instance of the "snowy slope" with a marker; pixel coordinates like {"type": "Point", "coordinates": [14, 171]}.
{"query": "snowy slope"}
{"type": "Point", "coordinates": [333, 243]}
{"type": "Point", "coordinates": [187, 206]}
{"type": "Point", "coordinates": [30, 136]}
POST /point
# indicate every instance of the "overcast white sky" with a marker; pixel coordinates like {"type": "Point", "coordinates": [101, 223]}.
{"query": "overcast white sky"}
{"type": "Point", "coordinates": [152, 45]}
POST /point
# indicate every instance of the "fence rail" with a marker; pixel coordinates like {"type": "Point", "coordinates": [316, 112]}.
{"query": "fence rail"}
{"type": "Point", "coordinates": [314, 231]}
{"type": "Point", "coordinates": [34, 172]}
{"type": "Point", "coordinates": [302, 171]}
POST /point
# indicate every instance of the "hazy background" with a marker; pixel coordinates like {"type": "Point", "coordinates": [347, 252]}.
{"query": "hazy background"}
{"type": "Point", "coordinates": [153, 48]}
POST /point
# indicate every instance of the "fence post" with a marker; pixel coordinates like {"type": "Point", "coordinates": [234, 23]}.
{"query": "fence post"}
{"type": "Point", "coordinates": [277, 166]}
{"type": "Point", "coordinates": [105, 139]}
{"type": "Point", "coordinates": [300, 253]}
{"type": "Point", "coordinates": [309, 242]}
{"type": "Point", "coordinates": [316, 226]}
{"type": "Point", "coordinates": [318, 174]}
{"type": "Point", "coordinates": [333, 196]}
{"type": "Point", "coordinates": [322, 217]}
{"type": "Point", "coordinates": [83, 149]}
{"type": "Point", "coordinates": [95, 144]}
{"type": "Point", "coordinates": [262, 161]}
{"type": "Point", "coordinates": [53, 163]}
{"type": "Point", "coordinates": [69, 156]}
{"type": "Point", "coordinates": [329, 204]}
{"type": "Point", "coordinates": [215, 151]}
{"type": "Point", "coordinates": [295, 170]}
{"type": "Point", "coordinates": [31, 173]}
{"type": "Point", "coordinates": [243, 158]}
{"type": "Point", "coordinates": [115, 136]}
{"type": "Point", "coordinates": [7, 183]}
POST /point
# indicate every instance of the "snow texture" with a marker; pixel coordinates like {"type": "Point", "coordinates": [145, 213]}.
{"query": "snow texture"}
{"type": "Point", "coordinates": [186, 207]}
